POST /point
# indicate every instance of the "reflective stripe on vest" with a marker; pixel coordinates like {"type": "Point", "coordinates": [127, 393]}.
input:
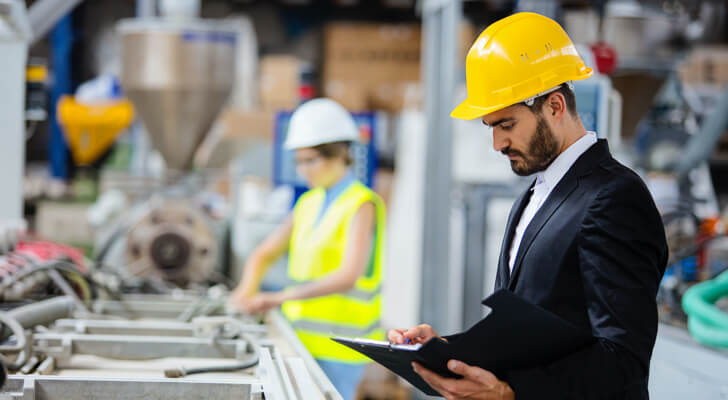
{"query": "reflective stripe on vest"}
{"type": "Point", "coordinates": [335, 329]}
{"type": "Point", "coordinates": [317, 249]}
{"type": "Point", "coordinates": [358, 294]}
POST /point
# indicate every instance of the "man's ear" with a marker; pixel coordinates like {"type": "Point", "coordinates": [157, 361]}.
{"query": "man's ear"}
{"type": "Point", "coordinates": [555, 106]}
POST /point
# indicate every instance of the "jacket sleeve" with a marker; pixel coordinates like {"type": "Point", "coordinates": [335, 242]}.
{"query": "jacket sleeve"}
{"type": "Point", "coordinates": [622, 254]}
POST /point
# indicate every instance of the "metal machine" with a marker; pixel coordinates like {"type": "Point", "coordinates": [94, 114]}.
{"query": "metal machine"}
{"type": "Point", "coordinates": [147, 346]}
{"type": "Point", "coordinates": [178, 75]}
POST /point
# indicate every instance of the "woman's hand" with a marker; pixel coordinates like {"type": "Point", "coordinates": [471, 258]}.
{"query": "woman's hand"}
{"type": "Point", "coordinates": [262, 302]}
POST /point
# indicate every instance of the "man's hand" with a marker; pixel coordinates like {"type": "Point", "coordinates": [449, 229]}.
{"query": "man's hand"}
{"type": "Point", "coordinates": [417, 334]}
{"type": "Point", "coordinates": [476, 383]}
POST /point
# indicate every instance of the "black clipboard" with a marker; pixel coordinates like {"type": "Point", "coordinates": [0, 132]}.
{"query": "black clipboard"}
{"type": "Point", "coordinates": [515, 334]}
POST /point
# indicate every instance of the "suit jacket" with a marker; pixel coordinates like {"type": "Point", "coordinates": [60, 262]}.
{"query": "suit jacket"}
{"type": "Point", "coordinates": [593, 254]}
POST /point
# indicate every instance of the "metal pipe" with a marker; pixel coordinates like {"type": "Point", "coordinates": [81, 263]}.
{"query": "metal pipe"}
{"type": "Point", "coordinates": [67, 290]}
{"type": "Point", "coordinates": [43, 312]}
{"type": "Point", "coordinates": [22, 347]}
{"type": "Point", "coordinates": [702, 143]}
{"type": "Point", "coordinates": [44, 14]}
{"type": "Point", "coordinates": [146, 8]}
{"type": "Point", "coordinates": [440, 21]}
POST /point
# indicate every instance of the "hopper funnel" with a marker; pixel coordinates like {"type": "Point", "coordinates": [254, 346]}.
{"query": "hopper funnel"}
{"type": "Point", "coordinates": [178, 74]}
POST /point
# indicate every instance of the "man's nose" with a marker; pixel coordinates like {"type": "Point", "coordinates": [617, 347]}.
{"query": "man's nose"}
{"type": "Point", "coordinates": [500, 141]}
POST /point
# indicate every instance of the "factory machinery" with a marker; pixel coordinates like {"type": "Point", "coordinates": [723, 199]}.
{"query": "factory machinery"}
{"type": "Point", "coordinates": [183, 346]}
{"type": "Point", "coordinates": [145, 319]}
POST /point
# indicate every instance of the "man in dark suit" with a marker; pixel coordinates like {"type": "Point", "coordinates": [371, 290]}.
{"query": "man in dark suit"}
{"type": "Point", "coordinates": [585, 241]}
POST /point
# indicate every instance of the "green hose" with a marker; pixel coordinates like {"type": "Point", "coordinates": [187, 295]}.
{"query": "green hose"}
{"type": "Point", "coordinates": [706, 322]}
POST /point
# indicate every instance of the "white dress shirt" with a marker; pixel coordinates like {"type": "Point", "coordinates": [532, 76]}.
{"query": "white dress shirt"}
{"type": "Point", "coordinates": [546, 180]}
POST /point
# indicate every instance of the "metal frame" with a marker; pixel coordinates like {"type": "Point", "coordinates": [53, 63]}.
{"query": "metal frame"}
{"type": "Point", "coordinates": [44, 14]}
{"type": "Point", "coordinates": [441, 19]}
{"type": "Point", "coordinates": [141, 328]}
{"type": "Point", "coordinates": [130, 347]}
{"type": "Point", "coordinates": [478, 250]}
{"type": "Point", "coordinates": [88, 343]}
{"type": "Point", "coordinates": [150, 308]}
{"type": "Point", "coordinates": [61, 388]}
{"type": "Point", "coordinates": [14, 36]}
{"type": "Point", "coordinates": [61, 45]}
{"type": "Point", "coordinates": [319, 377]}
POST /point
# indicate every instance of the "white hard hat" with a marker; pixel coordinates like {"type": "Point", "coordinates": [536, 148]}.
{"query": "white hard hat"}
{"type": "Point", "coordinates": [320, 121]}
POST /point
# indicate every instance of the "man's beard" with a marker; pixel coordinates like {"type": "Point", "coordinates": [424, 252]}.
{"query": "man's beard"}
{"type": "Point", "coordinates": [542, 151]}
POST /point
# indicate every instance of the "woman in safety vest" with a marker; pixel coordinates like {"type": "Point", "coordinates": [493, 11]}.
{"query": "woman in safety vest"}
{"type": "Point", "coordinates": [335, 240]}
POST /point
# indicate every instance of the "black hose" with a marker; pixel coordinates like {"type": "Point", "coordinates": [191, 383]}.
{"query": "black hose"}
{"type": "Point", "coordinates": [181, 371]}
{"type": "Point", "coordinates": [56, 264]}
{"type": "Point", "coordinates": [22, 347]}
{"type": "Point", "coordinates": [3, 374]}
{"type": "Point", "coordinates": [120, 231]}
{"type": "Point", "coordinates": [253, 361]}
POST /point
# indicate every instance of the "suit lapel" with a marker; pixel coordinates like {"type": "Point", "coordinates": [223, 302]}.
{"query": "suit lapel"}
{"type": "Point", "coordinates": [503, 274]}
{"type": "Point", "coordinates": [583, 166]}
{"type": "Point", "coordinates": [557, 197]}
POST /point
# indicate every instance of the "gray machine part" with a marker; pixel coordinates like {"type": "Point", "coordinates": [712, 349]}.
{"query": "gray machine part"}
{"type": "Point", "coordinates": [703, 143]}
{"type": "Point", "coordinates": [170, 237]}
{"type": "Point", "coordinates": [97, 358]}
{"type": "Point", "coordinates": [57, 388]}
{"type": "Point", "coordinates": [485, 208]}
{"type": "Point", "coordinates": [132, 347]}
{"type": "Point", "coordinates": [43, 312]}
{"type": "Point", "coordinates": [174, 241]}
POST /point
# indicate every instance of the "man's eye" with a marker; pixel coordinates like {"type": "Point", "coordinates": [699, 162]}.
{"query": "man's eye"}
{"type": "Point", "coordinates": [507, 127]}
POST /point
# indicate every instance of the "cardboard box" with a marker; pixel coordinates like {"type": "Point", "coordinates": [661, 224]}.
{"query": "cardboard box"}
{"type": "Point", "coordinates": [237, 123]}
{"type": "Point", "coordinates": [371, 66]}
{"type": "Point", "coordinates": [366, 64]}
{"type": "Point", "coordinates": [372, 51]}
{"type": "Point", "coordinates": [707, 65]}
{"type": "Point", "coordinates": [237, 131]}
{"type": "Point", "coordinates": [280, 78]}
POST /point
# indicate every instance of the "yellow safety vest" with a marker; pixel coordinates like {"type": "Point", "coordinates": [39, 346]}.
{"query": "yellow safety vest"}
{"type": "Point", "coordinates": [316, 249]}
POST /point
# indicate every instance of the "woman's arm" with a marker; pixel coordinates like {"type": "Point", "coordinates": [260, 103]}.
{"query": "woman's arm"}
{"type": "Point", "coordinates": [258, 263]}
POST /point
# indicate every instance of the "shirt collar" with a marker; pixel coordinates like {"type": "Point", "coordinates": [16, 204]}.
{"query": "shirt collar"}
{"type": "Point", "coordinates": [558, 168]}
{"type": "Point", "coordinates": [338, 187]}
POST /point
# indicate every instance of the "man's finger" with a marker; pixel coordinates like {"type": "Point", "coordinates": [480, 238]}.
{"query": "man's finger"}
{"type": "Point", "coordinates": [436, 381]}
{"type": "Point", "coordinates": [423, 332]}
{"type": "Point", "coordinates": [463, 369]}
{"type": "Point", "coordinates": [471, 372]}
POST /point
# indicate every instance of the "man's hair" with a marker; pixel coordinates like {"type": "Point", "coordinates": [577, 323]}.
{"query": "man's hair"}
{"type": "Point", "coordinates": [335, 149]}
{"type": "Point", "coordinates": [568, 97]}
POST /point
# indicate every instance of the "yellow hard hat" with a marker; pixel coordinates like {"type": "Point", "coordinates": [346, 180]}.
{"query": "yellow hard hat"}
{"type": "Point", "coordinates": [514, 59]}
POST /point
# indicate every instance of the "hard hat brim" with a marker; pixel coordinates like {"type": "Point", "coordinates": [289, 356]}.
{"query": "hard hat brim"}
{"type": "Point", "coordinates": [302, 144]}
{"type": "Point", "coordinates": [468, 111]}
